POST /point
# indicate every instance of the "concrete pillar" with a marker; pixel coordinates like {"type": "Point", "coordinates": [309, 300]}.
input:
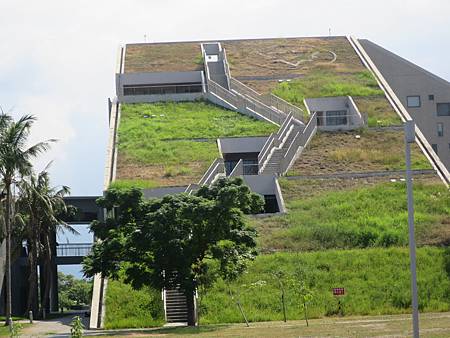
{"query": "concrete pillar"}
{"type": "Point", "coordinates": [54, 300]}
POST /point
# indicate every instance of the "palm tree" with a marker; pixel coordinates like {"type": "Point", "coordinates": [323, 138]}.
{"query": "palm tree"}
{"type": "Point", "coordinates": [40, 207]}
{"type": "Point", "coordinates": [15, 162]}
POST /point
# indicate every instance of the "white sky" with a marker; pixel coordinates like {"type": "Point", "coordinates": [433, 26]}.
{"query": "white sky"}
{"type": "Point", "coordinates": [57, 58]}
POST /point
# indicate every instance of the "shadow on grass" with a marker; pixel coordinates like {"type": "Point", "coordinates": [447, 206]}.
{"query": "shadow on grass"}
{"type": "Point", "coordinates": [184, 330]}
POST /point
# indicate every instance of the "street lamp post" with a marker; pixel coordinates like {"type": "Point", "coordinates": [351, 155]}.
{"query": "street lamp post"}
{"type": "Point", "coordinates": [410, 138]}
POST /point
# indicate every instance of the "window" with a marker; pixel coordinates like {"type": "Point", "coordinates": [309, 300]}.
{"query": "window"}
{"type": "Point", "coordinates": [162, 89]}
{"type": "Point", "coordinates": [443, 109]}
{"type": "Point", "coordinates": [336, 118]}
{"type": "Point", "coordinates": [435, 148]}
{"type": "Point", "coordinates": [413, 101]}
{"type": "Point", "coordinates": [440, 129]}
{"type": "Point", "coordinates": [431, 97]}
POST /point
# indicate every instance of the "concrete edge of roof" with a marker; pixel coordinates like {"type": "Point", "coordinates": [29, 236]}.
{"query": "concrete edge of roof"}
{"type": "Point", "coordinates": [235, 40]}
{"type": "Point", "coordinates": [412, 64]}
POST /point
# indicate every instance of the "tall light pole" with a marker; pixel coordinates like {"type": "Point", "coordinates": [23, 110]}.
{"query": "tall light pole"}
{"type": "Point", "coordinates": [410, 138]}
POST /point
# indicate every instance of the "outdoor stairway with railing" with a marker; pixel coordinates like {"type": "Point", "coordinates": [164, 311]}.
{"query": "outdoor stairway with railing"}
{"type": "Point", "coordinates": [283, 147]}
{"type": "Point", "coordinates": [228, 92]}
{"type": "Point", "coordinates": [273, 164]}
{"type": "Point", "coordinates": [175, 306]}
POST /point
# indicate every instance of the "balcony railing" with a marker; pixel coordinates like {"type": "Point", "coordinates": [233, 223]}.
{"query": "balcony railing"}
{"type": "Point", "coordinates": [73, 249]}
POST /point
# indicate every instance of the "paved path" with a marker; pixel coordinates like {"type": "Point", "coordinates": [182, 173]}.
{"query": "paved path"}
{"type": "Point", "coordinates": [57, 326]}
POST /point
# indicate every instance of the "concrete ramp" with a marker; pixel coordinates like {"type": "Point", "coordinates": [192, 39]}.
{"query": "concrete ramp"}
{"type": "Point", "coordinates": [216, 64]}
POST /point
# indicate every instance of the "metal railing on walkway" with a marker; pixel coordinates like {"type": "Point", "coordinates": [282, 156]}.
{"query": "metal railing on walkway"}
{"type": "Point", "coordinates": [73, 249]}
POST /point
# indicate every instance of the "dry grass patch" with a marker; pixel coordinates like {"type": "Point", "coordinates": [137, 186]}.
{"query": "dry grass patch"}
{"type": "Point", "coordinates": [160, 175]}
{"type": "Point", "coordinates": [289, 56]}
{"type": "Point", "coordinates": [337, 152]}
{"type": "Point", "coordinates": [163, 57]}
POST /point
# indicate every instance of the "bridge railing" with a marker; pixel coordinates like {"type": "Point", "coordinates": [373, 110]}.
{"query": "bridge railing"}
{"type": "Point", "coordinates": [73, 249]}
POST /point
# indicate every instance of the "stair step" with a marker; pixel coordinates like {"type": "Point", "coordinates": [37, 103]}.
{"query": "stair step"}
{"type": "Point", "coordinates": [177, 306]}
{"type": "Point", "coordinates": [176, 313]}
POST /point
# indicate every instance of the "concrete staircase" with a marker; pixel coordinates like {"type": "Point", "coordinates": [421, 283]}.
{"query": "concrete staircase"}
{"type": "Point", "coordinates": [175, 306]}
{"type": "Point", "coordinates": [216, 64]}
{"type": "Point", "coordinates": [273, 164]}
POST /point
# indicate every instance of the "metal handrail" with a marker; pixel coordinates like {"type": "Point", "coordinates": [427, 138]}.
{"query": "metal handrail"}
{"type": "Point", "coordinates": [73, 249]}
{"type": "Point", "coordinates": [283, 105]}
{"type": "Point", "coordinates": [266, 145]}
{"type": "Point", "coordinates": [214, 169]}
{"type": "Point", "coordinates": [238, 169]}
{"type": "Point", "coordinates": [270, 100]}
{"type": "Point", "coordinates": [243, 88]}
{"type": "Point", "coordinates": [301, 139]}
{"type": "Point", "coordinates": [273, 141]}
{"type": "Point", "coordinates": [283, 131]}
{"type": "Point", "coordinates": [265, 152]}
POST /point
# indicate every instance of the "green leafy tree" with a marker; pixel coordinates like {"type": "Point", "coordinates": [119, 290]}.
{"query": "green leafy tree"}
{"type": "Point", "coordinates": [168, 242]}
{"type": "Point", "coordinates": [15, 162]}
{"type": "Point", "coordinates": [73, 291]}
{"type": "Point", "coordinates": [39, 206]}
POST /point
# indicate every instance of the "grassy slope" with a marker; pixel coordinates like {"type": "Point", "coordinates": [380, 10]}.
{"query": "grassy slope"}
{"type": "Point", "coordinates": [126, 307]}
{"type": "Point", "coordinates": [359, 216]}
{"type": "Point", "coordinates": [377, 281]}
{"type": "Point", "coordinates": [176, 139]}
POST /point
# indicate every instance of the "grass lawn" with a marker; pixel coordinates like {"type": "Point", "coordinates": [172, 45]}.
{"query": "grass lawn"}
{"type": "Point", "coordinates": [324, 84]}
{"type": "Point", "coordinates": [431, 325]}
{"type": "Point", "coordinates": [363, 215]}
{"type": "Point", "coordinates": [374, 150]}
{"type": "Point", "coordinates": [174, 143]}
{"type": "Point", "coordinates": [382, 289]}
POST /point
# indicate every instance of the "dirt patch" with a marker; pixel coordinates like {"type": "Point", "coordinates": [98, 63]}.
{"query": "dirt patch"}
{"type": "Point", "coordinates": [160, 174]}
{"type": "Point", "coordinates": [291, 57]}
